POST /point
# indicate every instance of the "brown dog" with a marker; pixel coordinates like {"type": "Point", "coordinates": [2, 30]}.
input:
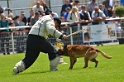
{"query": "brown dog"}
{"type": "Point", "coordinates": [76, 51]}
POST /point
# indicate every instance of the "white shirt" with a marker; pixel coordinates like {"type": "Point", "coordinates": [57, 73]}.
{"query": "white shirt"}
{"type": "Point", "coordinates": [45, 26]}
{"type": "Point", "coordinates": [99, 14]}
{"type": "Point", "coordinates": [34, 8]}
{"type": "Point", "coordinates": [72, 17]}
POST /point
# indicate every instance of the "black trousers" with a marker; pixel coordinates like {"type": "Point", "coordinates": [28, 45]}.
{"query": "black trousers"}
{"type": "Point", "coordinates": [35, 45]}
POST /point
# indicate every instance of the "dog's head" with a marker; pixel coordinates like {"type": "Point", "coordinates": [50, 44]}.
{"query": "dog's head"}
{"type": "Point", "coordinates": [64, 50]}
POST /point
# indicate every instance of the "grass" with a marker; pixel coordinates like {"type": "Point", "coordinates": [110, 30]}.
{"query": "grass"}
{"type": "Point", "coordinates": [108, 70]}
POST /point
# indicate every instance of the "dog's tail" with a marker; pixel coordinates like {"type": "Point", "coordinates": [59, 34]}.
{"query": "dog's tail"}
{"type": "Point", "coordinates": [104, 54]}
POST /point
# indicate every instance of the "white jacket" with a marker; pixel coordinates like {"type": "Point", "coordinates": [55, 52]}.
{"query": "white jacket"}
{"type": "Point", "coordinates": [45, 26]}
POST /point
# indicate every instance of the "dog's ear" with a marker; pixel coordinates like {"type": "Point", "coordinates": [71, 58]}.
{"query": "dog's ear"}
{"type": "Point", "coordinates": [69, 47]}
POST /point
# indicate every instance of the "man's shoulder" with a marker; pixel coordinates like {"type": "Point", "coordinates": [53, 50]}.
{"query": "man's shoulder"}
{"type": "Point", "coordinates": [46, 18]}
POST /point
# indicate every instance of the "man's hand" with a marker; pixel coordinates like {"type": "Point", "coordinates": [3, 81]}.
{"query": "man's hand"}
{"type": "Point", "coordinates": [64, 37]}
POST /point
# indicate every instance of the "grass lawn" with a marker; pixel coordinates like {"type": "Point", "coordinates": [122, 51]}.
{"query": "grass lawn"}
{"type": "Point", "coordinates": [108, 70]}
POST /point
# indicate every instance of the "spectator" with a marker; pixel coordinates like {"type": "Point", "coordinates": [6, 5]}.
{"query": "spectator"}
{"type": "Point", "coordinates": [64, 7]}
{"type": "Point", "coordinates": [68, 9]}
{"type": "Point", "coordinates": [73, 15]}
{"type": "Point", "coordinates": [16, 20]}
{"type": "Point", "coordinates": [19, 40]}
{"type": "Point", "coordinates": [102, 8]}
{"type": "Point", "coordinates": [98, 16]}
{"type": "Point", "coordinates": [4, 34]}
{"type": "Point", "coordinates": [110, 11]}
{"type": "Point", "coordinates": [10, 22]}
{"type": "Point", "coordinates": [75, 3]}
{"type": "Point", "coordinates": [34, 18]}
{"type": "Point", "coordinates": [106, 3]}
{"type": "Point", "coordinates": [91, 5]}
{"type": "Point", "coordinates": [84, 16]}
{"type": "Point", "coordinates": [11, 15]}
{"type": "Point", "coordinates": [53, 14]}
{"type": "Point", "coordinates": [29, 18]}
{"type": "Point", "coordinates": [45, 7]}
{"type": "Point", "coordinates": [23, 18]}
{"type": "Point", "coordinates": [38, 7]}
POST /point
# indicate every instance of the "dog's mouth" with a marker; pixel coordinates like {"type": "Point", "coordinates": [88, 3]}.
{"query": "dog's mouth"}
{"type": "Point", "coordinates": [63, 51]}
{"type": "Point", "coordinates": [60, 52]}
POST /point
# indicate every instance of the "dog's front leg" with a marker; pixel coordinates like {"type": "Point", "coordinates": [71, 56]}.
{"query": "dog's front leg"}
{"type": "Point", "coordinates": [72, 62]}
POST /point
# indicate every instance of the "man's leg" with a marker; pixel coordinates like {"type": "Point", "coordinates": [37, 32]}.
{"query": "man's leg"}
{"type": "Point", "coordinates": [32, 52]}
{"type": "Point", "coordinates": [29, 59]}
{"type": "Point", "coordinates": [53, 56]}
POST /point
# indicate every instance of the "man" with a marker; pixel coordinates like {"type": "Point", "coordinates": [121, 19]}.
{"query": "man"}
{"type": "Point", "coordinates": [34, 18]}
{"type": "Point", "coordinates": [91, 5]}
{"type": "Point", "coordinates": [37, 43]}
{"type": "Point", "coordinates": [38, 7]}
{"type": "Point", "coordinates": [106, 3]}
{"type": "Point", "coordinates": [84, 16]}
{"type": "Point", "coordinates": [23, 18]}
{"type": "Point", "coordinates": [64, 6]}
{"type": "Point", "coordinates": [98, 16]}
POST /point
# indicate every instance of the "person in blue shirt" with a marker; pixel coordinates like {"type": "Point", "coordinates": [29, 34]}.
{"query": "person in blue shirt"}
{"type": "Point", "coordinates": [4, 34]}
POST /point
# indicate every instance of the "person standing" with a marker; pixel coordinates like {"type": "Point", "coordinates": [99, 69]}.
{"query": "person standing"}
{"type": "Point", "coordinates": [64, 6]}
{"type": "Point", "coordinates": [91, 5]}
{"type": "Point", "coordinates": [38, 7]}
{"type": "Point", "coordinates": [34, 18]}
{"type": "Point", "coordinates": [84, 16]}
{"type": "Point", "coordinates": [4, 34]}
{"type": "Point", "coordinates": [37, 42]}
{"type": "Point", "coordinates": [98, 16]}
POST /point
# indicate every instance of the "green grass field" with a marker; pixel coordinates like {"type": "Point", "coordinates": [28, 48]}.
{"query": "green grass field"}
{"type": "Point", "coordinates": [108, 70]}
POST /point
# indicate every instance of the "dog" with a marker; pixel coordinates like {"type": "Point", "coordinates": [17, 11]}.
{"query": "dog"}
{"type": "Point", "coordinates": [77, 51]}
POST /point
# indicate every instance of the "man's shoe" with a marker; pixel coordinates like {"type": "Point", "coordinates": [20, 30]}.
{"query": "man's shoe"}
{"type": "Point", "coordinates": [54, 63]}
{"type": "Point", "coordinates": [15, 71]}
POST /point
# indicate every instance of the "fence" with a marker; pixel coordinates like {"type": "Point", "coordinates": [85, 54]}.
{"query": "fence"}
{"type": "Point", "coordinates": [15, 41]}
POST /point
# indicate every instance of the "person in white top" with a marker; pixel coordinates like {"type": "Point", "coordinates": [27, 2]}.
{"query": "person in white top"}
{"type": "Point", "coordinates": [38, 7]}
{"type": "Point", "coordinates": [73, 15]}
{"type": "Point", "coordinates": [37, 42]}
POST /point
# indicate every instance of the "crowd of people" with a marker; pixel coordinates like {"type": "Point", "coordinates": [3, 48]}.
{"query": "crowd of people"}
{"type": "Point", "coordinates": [71, 11]}
{"type": "Point", "coordinates": [91, 13]}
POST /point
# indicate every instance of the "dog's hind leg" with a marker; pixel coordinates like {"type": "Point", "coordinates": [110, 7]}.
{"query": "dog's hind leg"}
{"type": "Point", "coordinates": [94, 60]}
{"type": "Point", "coordinates": [86, 58]}
{"type": "Point", "coordinates": [72, 62]}
{"type": "Point", "coordinates": [86, 62]}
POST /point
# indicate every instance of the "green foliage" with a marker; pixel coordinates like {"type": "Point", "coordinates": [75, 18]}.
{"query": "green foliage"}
{"type": "Point", "coordinates": [119, 11]}
{"type": "Point", "coordinates": [108, 70]}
